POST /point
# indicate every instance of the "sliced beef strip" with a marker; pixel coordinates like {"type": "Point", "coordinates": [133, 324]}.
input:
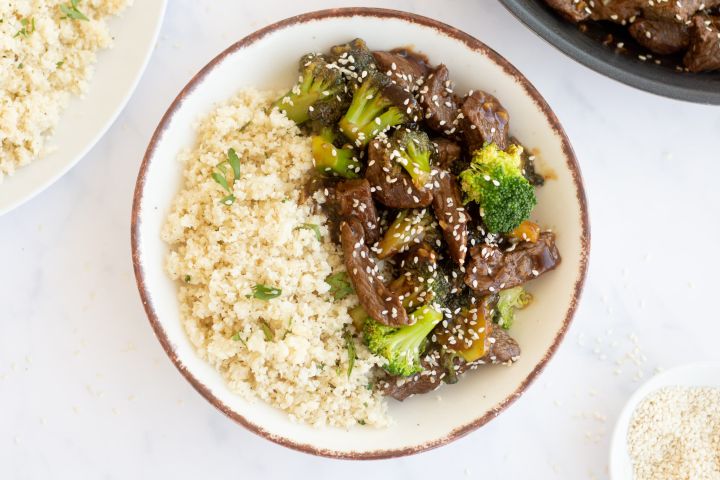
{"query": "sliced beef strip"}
{"type": "Point", "coordinates": [390, 183]}
{"type": "Point", "coordinates": [447, 152]}
{"type": "Point", "coordinates": [402, 70]}
{"type": "Point", "coordinates": [379, 302]}
{"type": "Point", "coordinates": [573, 10]}
{"type": "Point", "coordinates": [451, 216]}
{"type": "Point", "coordinates": [503, 349]}
{"type": "Point", "coordinates": [492, 269]}
{"type": "Point", "coordinates": [354, 199]}
{"type": "Point", "coordinates": [663, 37]}
{"type": "Point", "coordinates": [439, 102]}
{"type": "Point", "coordinates": [704, 52]}
{"type": "Point", "coordinates": [484, 120]}
{"type": "Point", "coordinates": [676, 10]}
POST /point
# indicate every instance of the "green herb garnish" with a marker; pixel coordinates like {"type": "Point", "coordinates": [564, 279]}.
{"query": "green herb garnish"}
{"type": "Point", "coordinates": [28, 27]}
{"type": "Point", "coordinates": [352, 354]}
{"type": "Point", "coordinates": [361, 421]}
{"type": "Point", "coordinates": [223, 170]}
{"type": "Point", "coordinates": [263, 292]}
{"type": "Point", "coordinates": [267, 330]}
{"type": "Point", "coordinates": [311, 226]}
{"type": "Point", "coordinates": [242, 129]}
{"type": "Point", "coordinates": [340, 286]}
{"type": "Point", "coordinates": [238, 338]}
{"type": "Point", "coordinates": [288, 330]}
{"type": "Point", "coordinates": [60, 63]}
{"type": "Point", "coordinates": [71, 11]}
{"type": "Point", "coordinates": [187, 278]}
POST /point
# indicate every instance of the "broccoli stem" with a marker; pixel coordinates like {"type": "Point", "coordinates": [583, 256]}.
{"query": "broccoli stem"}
{"type": "Point", "coordinates": [409, 340]}
{"type": "Point", "coordinates": [333, 160]}
{"type": "Point", "coordinates": [409, 226]}
{"type": "Point", "coordinates": [297, 106]}
{"type": "Point", "coordinates": [365, 118]}
{"type": "Point", "coordinates": [417, 164]}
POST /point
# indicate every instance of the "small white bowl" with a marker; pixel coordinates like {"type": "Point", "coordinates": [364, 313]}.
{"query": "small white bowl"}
{"type": "Point", "coordinates": [268, 58]}
{"type": "Point", "coordinates": [704, 374]}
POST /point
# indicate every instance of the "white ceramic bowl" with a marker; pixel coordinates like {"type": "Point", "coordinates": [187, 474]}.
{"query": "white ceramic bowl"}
{"type": "Point", "coordinates": [269, 58]}
{"type": "Point", "coordinates": [86, 119]}
{"type": "Point", "coordinates": [705, 374]}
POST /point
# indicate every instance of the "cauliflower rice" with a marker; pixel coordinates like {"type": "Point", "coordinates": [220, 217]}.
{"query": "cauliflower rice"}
{"type": "Point", "coordinates": [219, 252]}
{"type": "Point", "coordinates": [44, 58]}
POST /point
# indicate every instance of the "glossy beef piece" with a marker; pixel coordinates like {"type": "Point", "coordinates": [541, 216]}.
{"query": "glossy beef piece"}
{"type": "Point", "coordinates": [447, 152]}
{"type": "Point", "coordinates": [503, 349]}
{"type": "Point", "coordinates": [484, 120]}
{"type": "Point", "coordinates": [391, 184]}
{"type": "Point", "coordinates": [439, 102]}
{"type": "Point", "coordinates": [573, 10]}
{"type": "Point", "coordinates": [676, 10]}
{"type": "Point", "coordinates": [379, 302]}
{"type": "Point", "coordinates": [663, 37]}
{"type": "Point", "coordinates": [354, 200]}
{"type": "Point", "coordinates": [619, 11]}
{"type": "Point", "coordinates": [704, 52]}
{"type": "Point", "coordinates": [403, 70]}
{"type": "Point", "coordinates": [450, 214]}
{"type": "Point", "coordinates": [492, 269]}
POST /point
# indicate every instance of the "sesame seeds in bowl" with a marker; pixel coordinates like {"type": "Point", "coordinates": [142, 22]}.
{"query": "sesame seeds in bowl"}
{"type": "Point", "coordinates": [670, 427]}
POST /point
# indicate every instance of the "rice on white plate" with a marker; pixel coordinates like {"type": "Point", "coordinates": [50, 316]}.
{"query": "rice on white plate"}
{"type": "Point", "coordinates": [289, 350]}
{"type": "Point", "coordinates": [47, 54]}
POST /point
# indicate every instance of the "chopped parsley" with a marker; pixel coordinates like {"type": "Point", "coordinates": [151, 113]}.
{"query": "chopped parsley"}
{"type": "Point", "coordinates": [238, 338]}
{"type": "Point", "coordinates": [288, 330]}
{"type": "Point", "coordinates": [311, 226]}
{"type": "Point", "coordinates": [340, 286]}
{"type": "Point", "coordinates": [263, 292]}
{"type": "Point", "coordinates": [28, 27]}
{"type": "Point", "coordinates": [352, 354]}
{"type": "Point", "coordinates": [187, 278]}
{"type": "Point", "coordinates": [231, 165]}
{"type": "Point", "coordinates": [60, 63]}
{"type": "Point", "coordinates": [361, 421]}
{"type": "Point", "coordinates": [267, 330]}
{"type": "Point", "coordinates": [71, 11]}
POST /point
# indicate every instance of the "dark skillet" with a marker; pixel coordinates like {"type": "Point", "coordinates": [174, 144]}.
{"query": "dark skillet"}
{"type": "Point", "coordinates": [628, 69]}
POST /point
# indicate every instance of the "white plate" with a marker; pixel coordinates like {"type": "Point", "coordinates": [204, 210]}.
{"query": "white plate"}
{"type": "Point", "coordinates": [706, 374]}
{"type": "Point", "coordinates": [86, 119]}
{"type": "Point", "coordinates": [268, 58]}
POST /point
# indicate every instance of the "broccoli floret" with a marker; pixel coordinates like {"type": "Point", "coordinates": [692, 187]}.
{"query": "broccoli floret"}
{"type": "Point", "coordinates": [494, 180]}
{"type": "Point", "coordinates": [409, 226]}
{"type": "Point", "coordinates": [508, 301]}
{"type": "Point", "coordinates": [371, 111]}
{"type": "Point", "coordinates": [318, 83]}
{"type": "Point", "coordinates": [332, 160]}
{"type": "Point", "coordinates": [402, 346]}
{"type": "Point", "coordinates": [354, 58]}
{"type": "Point", "coordinates": [412, 150]}
{"type": "Point", "coordinates": [423, 280]}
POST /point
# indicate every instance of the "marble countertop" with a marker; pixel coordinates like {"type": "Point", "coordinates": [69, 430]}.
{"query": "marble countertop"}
{"type": "Point", "coordinates": [87, 392]}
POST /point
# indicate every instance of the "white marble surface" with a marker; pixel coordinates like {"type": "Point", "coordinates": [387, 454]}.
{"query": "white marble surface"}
{"type": "Point", "coordinates": [87, 392]}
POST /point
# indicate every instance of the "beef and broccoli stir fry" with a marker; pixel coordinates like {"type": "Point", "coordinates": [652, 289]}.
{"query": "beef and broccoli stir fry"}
{"type": "Point", "coordinates": [682, 33]}
{"type": "Point", "coordinates": [429, 198]}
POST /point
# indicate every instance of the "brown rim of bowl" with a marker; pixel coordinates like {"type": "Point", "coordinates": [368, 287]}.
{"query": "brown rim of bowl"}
{"type": "Point", "coordinates": [475, 45]}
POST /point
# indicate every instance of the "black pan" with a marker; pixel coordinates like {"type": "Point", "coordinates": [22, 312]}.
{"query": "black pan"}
{"type": "Point", "coordinates": [628, 69]}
